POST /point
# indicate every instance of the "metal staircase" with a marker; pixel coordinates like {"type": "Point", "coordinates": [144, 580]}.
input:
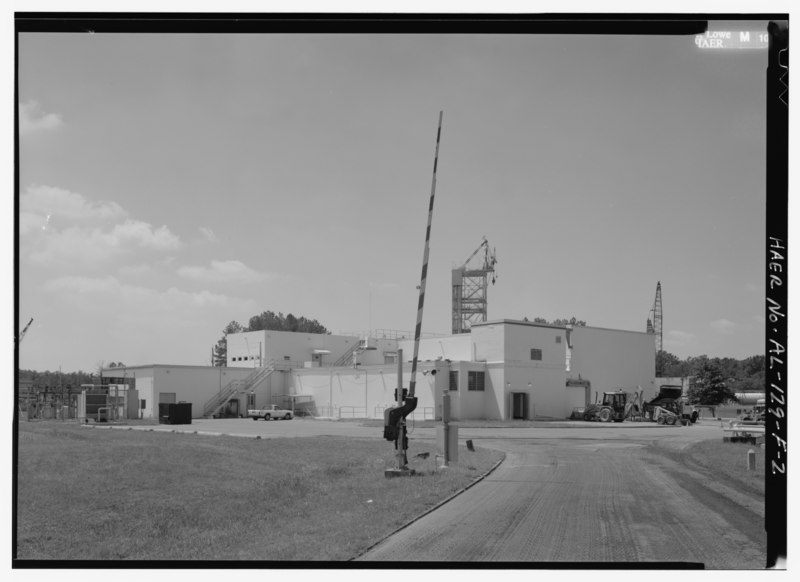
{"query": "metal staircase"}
{"type": "Point", "coordinates": [347, 357]}
{"type": "Point", "coordinates": [234, 387]}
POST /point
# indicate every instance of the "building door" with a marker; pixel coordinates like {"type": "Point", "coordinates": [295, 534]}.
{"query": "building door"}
{"type": "Point", "coordinates": [578, 393]}
{"type": "Point", "coordinates": [231, 409]}
{"type": "Point", "coordinates": [519, 405]}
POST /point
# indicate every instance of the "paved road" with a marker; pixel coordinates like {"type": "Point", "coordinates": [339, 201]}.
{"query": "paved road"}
{"type": "Point", "coordinates": [567, 492]}
{"type": "Point", "coordinates": [585, 500]}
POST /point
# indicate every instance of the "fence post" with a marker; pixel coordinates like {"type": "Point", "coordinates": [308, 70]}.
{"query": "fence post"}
{"type": "Point", "coordinates": [751, 460]}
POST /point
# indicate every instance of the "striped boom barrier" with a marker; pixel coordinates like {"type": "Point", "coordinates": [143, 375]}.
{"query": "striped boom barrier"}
{"type": "Point", "coordinates": [424, 277]}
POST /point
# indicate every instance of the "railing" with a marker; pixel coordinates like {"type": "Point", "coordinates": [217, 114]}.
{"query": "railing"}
{"type": "Point", "coordinates": [348, 355]}
{"type": "Point", "coordinates": [234, 387]}
{"type": "Point", "coordinates": [428, 412]}
{"type": "Point", "coordinates": [352, 412]}
{"type": "Point", "coordinates": [391, 334]}
{"type": "Point", "coordinates": [326, 411]}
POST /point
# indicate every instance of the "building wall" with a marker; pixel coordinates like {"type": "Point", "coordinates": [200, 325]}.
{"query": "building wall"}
{"type": "Point", "coordinates": [245, 348]}
{"type": "Point", "coordinates": [612, 359]}
{"type": "Point", "coordinates": [501, 350]}
{"type": "Point", "coordinates": [466, 404]}
{"type": "Point", "coordinates": [488, 342]}
{"type": "Point", "coordinates": [540, 374]}
{"type": "Point", "coordinates": [195, 384]}
{"type": "Point", "coordinates": [455, 348]}
{"type": "Point", "coordinates": [365, 392]}
{"type": "Point", "coordinates": [545, 387]}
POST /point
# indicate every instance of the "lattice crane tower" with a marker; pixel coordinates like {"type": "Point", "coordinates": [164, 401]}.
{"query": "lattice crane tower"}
{"type": "Point", "coordinates": [655, 326]}
{"type": "Point", "coordinates": [469, 289]}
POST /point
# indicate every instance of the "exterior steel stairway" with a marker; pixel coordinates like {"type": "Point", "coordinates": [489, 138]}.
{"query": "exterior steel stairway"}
{"type": "Point", "coordinates": [234, 387]}
{"type": "Point", "coordinates": [347, 357]}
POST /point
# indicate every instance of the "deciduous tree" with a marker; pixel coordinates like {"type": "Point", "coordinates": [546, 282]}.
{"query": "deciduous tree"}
{"type": "Point", "coordinates": [709, 385]}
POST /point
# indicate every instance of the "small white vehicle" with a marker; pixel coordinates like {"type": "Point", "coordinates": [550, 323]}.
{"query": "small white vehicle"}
{"type": "Point", "coordinates": [273, 412]}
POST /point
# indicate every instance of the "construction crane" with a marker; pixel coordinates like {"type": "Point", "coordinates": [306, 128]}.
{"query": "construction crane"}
{"type": "Point", "coordinates": [24, 331]}
{"type": "Point", "coordinates": [469, 289]}
{"type": "Point", "coordinates": [655, 326]}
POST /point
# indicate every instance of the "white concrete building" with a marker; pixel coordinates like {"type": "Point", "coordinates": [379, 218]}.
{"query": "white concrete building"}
{"type": "Point", "coordinates": [502, 369]}
{"type": "Point", "coordinates": [159, 383]}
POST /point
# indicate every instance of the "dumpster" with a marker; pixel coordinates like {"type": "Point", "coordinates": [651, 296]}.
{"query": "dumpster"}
{"type": "Point", "coordinates": [181, 413]}
{"type": "Point", "coordinates": [175, 413]}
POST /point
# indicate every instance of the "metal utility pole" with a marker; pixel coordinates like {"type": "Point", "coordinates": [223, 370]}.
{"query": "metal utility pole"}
{"type": "Point", "coordinates": [394, 418]}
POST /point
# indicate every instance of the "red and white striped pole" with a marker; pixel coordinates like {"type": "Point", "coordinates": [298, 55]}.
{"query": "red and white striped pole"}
{"type": "Point", "coordinates": [424, 277]}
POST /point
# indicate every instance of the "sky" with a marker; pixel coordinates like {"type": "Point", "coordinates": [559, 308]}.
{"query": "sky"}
{"type": "Point", "coordinates": [170, 184]}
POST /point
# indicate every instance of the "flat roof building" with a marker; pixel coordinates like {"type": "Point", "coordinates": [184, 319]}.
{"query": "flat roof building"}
{"type": "Point", "coordinates": [502, 369]}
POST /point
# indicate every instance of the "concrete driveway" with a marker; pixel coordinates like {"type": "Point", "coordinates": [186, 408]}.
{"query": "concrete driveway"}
{"type": "Point", "coordinates": [611, 495]}
{"type": "Point", "coordinates": [567, 492]}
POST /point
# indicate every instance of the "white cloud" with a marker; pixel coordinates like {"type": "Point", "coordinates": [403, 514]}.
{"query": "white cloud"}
{"type": "Point", "coordinates": [144, 235]}
{"type": "Point", "coordinates": [723, 326]}
{"type": "Point", "coordinates": [32, 119]}
{"type": "Point", "coordinates": [223, 272]}
{"type": "Point", "coordinates": [68, 206]}
{"type": "Point", "coordinates": [59, 225]}
{"type": "Point", "coordinates": [209, 234]}
{"type": "Point", "coordinates": [135, 270]}
{"type": "Point", "coordinates": [110, 294]}
{"type": "Point", "coordinates": [93, 245]}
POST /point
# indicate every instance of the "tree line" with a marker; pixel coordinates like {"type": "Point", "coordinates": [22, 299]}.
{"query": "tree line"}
{"type": "Point", "coordinates": [57, 380]}
{"type": "Point", "coordinates": [714, 380]}
{"type": "Point", "coordinates": [558, 321]}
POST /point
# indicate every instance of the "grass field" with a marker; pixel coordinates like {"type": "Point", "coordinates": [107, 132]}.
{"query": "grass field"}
{"type": "Point", "coordinates": [134, 495]}
{"type": "Point", "coordinates": [728, 462]}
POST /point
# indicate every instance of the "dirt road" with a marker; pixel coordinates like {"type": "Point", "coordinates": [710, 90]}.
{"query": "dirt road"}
{"type": "Point", "coordinates": [585, 500]}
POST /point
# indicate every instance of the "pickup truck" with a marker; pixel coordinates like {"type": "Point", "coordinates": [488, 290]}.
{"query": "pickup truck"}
{"type": "Point", "coordinates": [273, 412]}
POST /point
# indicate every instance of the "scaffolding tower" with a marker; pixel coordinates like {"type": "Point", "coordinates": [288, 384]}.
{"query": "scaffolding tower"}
{"type": "Point", "coordinates": [470, 287]}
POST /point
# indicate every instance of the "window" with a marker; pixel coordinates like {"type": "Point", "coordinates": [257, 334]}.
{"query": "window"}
{"type": "Point", "coordinates": [475, 381]}
{"type": "Point", "coordinates": [536, 354]}
{"type": "Point", "coordinates": [558, 339]}
{"type": "Point", "coordinates": [453, 381]}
